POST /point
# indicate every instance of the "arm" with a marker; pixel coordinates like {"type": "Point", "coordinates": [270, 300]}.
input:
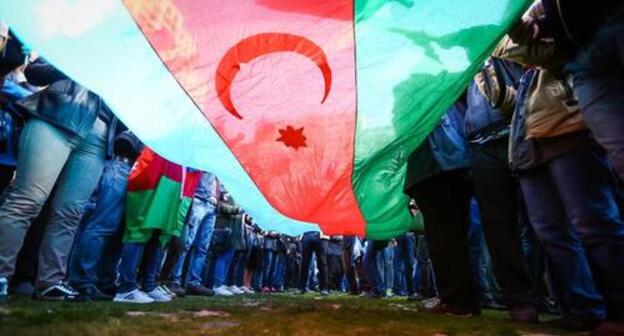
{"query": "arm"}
{"type": "Point", "coordinates": [41, 73]}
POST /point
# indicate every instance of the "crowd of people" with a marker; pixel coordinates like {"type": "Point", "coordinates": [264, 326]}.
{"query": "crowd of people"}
{"type": "Point", "coordinates": [517, 194]}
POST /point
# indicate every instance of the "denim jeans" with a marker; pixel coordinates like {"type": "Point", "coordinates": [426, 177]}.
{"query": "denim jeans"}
{"type": "Point", "coordinates": [387, 266]}
{"type": "Point", "coordinates": [572, 207]}
{"type": "Point", "coordinates": [197, 235]}
{"type": "Point", "coordinates": [480, 258]}
{"type": "Point", "coordinates": [599, 84]}
{"type": "Point", "coordinates": [269, 264]}
{"type": "Point", "coordinates": [373, 271]}
{"type": "Point", "coordinates": [405, 262]}
{"type": "Point", "coordinates": [98, 249]}
{"type": "Point", "coordinates": [236, 276]}
{"type": "Point", "coordinates": [311, 244]}
{"type": "Point", "coordinates": [222, 263]}
{"type": "Point", "coordinates": [280, 270]}
{"type": "Point", "coordinates": [131, 257]}
{"type": "Point", "coordinates": [50, 157]}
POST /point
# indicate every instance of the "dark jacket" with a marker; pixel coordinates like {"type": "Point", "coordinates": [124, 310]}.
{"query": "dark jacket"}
{"type": "Point", "coordinates": [65, 103]}
{"type": "Point", "coordinates": [335, 246]}
{"type": "Point", "coordinates": [445, 149]}
{"type": "Point", "coordinates": [573, 22]}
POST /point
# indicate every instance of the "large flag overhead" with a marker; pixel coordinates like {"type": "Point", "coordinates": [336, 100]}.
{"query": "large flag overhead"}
{"type": "Point", "coordinates": [306, 109]}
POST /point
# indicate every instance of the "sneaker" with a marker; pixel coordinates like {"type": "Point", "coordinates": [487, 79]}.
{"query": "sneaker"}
{"type": "Point", "coordinates": [247, 290]}
{"type": "Point", "coordinates": [168, 291]}
{"type": "Point", "coordinates": [59, 292]}
{"type": "Point", "coordinates": [135, 296]}
{"type": "Point", "coordinates": [524, 314]}
{"type": "Point", "coordinates": [4, 290]}
{"type": "Point", "coordinates": [159, 295]}
{"type": "Point", "coordinates": [266, 290]}
{"type": "Point", "coordinates": [93, 294]}
{"type": "Point", "coordinates": [324, 292]}
{"type": "Point", "coordinates": [222, 291]}
{"type": "Point", "coordinates": [199, 291]}
{"type": "Point", "coordinates": [447, 309]}
{"type": "Point", "coordinates": [176, 289]}
{"type": "Point", "coordinates": [235, 290]}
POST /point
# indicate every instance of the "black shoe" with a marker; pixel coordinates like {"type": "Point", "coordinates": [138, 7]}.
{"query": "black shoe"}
{"type": "Point", "coordinates": [60, 292]}
{"type": "Point", "coordinates": [448, 309]}
{"type": "Point", "coordinates": [199, 291]}
{"type": "Point", "coordinates": [373, 295]}
{"type": "Point", "coordinates": [303, 291]}
{"type": "Point", "coordinates": [93, 294]}
{"type": "Point", "coordinates": [524, 313]}
{"type": "Point", "coordinates": [176, 289]}
{"type": "Point", "coordinates": [574, 324]}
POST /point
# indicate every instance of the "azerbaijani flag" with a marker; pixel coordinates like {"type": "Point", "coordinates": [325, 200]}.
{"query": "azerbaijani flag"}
{"type": "Point", "coordinates": [306, 109]}
{"type": "Point", "coordinates": [159, 197]}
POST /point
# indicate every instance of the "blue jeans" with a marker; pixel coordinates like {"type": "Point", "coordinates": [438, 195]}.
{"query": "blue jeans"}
{"type": "Point", "coordinates": [197, 235]}
{"type": "Point", "coordinates": [387, 266]}
{"type": "Point", "coordinates": [131, 256]}
{"type": "Point", "coordinates": [572, 206]}
{"type": "Point", "coordinates": [221, 267]}
{"type": "Point", "coordinates": [98, 249]}
{"type": "Point", "coordinates": [405, 262]}
{"type": "Point", "coordinates": [50, 157]}
{"type": "Point", "coordinates": [372, 268]}
{"type": "Point", "coordinates": [269, 265]}
{"type": "Point", "coordinates": [280, 269]}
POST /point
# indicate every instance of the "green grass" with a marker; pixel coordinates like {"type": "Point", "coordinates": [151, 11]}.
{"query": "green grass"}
{"type": "Point", "coordinates": [281, 314]}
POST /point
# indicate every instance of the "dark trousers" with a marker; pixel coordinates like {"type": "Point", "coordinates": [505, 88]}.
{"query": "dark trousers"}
{"type": "Point", "coordinates": [174, 251]}
{"type": "Point", "coordinates": [406, 258]}
{"type": "Point", "coordinates": [311, 244]}
{"type": "Point", "coordinates": [444, 200]}
{"type": "Point", "coordinates": [499, 197]}
{"type": "Point", "coordinates": [349, 264]}
{"type": "Point", "coordinates": [572, 205]}
{"type": "Point", "coordinates": [336, 272]}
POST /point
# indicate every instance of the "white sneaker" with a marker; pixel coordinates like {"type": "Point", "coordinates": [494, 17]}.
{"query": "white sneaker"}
{"type": "Point", "coordinates": [235, 290]}
{"type": "Point", "coordinates": [247, 290]}
{"type": "Point", "coordinates": [222, 291]}
{"type": "Point", "coordinates": [159, 295]}
{"type": "Point", "coordinates": [168, 291]}
{"type": "Point", "coordinates": [136, 296]}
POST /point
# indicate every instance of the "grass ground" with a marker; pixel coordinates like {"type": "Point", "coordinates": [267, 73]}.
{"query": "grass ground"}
{"type": "Point", "coordinates": [279, 314]}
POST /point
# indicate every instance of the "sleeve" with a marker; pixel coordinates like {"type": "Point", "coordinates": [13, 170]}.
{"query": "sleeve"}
{"type": "Point", "coordinates": [41, 73]}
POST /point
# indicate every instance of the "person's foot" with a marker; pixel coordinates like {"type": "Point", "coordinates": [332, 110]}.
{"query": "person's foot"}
{"type": "Point", "coordinates": [431, 302]}
{"type": "Point", "coordinates": [222, 291]}
{"type": "Point", "coordinates": [4, 290]}
{"type": "Point", "coordinates": [59, 292]}
{"type": "Point", "coordinates": [235, 290]}
{"type": "Point", "coordinates": [159, 295]}
{"type": "Point", "coordinates": [247, 290]}
{"type": "Point", "coordinates": [446, 309]}
{"type": "Point", "coordinates": [168, 291]}
{"type": "Point", "coordinates": [415, 297]}
{"type": "Point", "coordinates": [373, 295]}
{"type": "Point", "coordinates": [524, 313]}
{"type": "Point", "coordinates": [135, 296]}
{"type": "Point", "coordinates": [324, 292]}
{"type": "Point", "coordinates": [176, 289]}
{"type": "Point", "coordinates": [608, 328]}
{"type": "Point", "coordinates": [574, 324]}
{"type": "Point", "coordinates": [93, 294]}
{"type": "Point", "coordinates": [303, 291]}
{"type": "Point", "coordinates": [199, 291]}
{"type": "Point", "coordinates": [25, 288]}
{"type": "Point", "coordinates": [266, 290]}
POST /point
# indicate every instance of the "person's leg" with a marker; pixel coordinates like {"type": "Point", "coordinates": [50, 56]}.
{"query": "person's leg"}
{"type": "Point", "coordinates": [95, 246]}
{"type": "Point", "coordinates": [564, 250]}
{"type": "Point", "coordinates": [152, 263]}
{"type": "Point", "coordinates": [388, 258]}
{"type": "Point", "coordinates": [221, 267]}
{"type": "Point", "coordinates": [201, 246]}
{"type": "Point", "coordinates": [347, 261]}
{"type": "Point", "coordinates": [174, 248]}
{"type": "Point", "coordinates": [267, 263]}
{"type": "Point", "coordinates": [320, 249]}
{"type": "Point", "coordinates": [77, 182]}
{"type": "Point", "coordinates": [585, 186]}
{"type": "Point", "coordinates": [43, 152]}
{"type": "Point", "coordinates": [409, 260]}
{"type": "Point", "coordinates": [196, 215]}
{"type": "Point", "coordinates": [446, 234]}
{"type": "Point", "coordinates": [131, 255]}
{"type": "Point", "coordinates": [496, 191]}
{"type": "Point", "coordinates": [599, 84]}
{"type": "Point", "coordinates": [305, 263]}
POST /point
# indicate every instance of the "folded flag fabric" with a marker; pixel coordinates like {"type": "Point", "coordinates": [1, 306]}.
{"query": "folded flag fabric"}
{"type": "Point", "coordinates": [306, 109]}
{"type": "Point", "coordinates": [159, 197]}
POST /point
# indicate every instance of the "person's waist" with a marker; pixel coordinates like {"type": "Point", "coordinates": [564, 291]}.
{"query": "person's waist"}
{"type": "Point", "coordinates": [123, 159]}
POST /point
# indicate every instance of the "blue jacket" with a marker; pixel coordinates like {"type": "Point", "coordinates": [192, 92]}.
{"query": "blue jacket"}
{"type": "Point", "coordinates": [483, 123]}
{"type": "Point", "coordinates": [445, 149]}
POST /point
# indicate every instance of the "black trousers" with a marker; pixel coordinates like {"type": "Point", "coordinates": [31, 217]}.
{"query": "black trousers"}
{"type": "Point", "coordinates": [312, 243]}
{"type": "Point", "coordinates": [444, 200]}
{"type": "Point", "coordinates": [499, 197]}
{"type": "Point", "coordinates": [349, 267]}
{"type": "Point", "coordinates": [335, 272]}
